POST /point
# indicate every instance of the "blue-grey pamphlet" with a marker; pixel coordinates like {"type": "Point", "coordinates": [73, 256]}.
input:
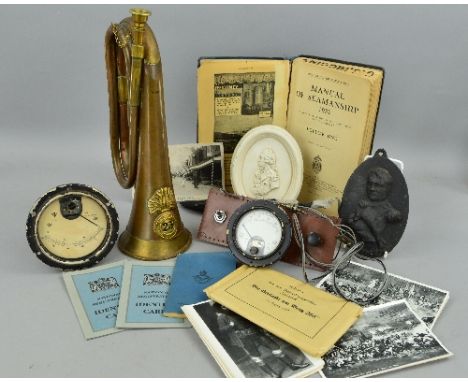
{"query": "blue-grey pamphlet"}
{"type": "Point", "coordinates": [193, 273]}
{"type": "Point", "coordinates": [95, 296]}
{"type": "Point", "coordinates": [145, 286]}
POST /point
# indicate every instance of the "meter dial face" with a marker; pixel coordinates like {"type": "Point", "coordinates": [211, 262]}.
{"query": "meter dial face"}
{"type": "Point", "coordinates": [259, 233]}
{"type": "Point", "coordinates": [72, 227]}
{"type": "Point", "coordinates": [72, 238]}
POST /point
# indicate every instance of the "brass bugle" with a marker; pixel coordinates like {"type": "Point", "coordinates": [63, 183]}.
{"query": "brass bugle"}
{"type": "Point", "coordinates": [139, 140]}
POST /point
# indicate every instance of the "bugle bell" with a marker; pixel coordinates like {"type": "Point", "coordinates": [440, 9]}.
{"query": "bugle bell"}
{"type": "Point", "coordinates": [139, 140]}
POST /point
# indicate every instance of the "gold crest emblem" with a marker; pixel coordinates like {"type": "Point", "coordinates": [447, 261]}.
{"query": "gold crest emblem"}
{"type": "Point", "coordinates": [162, 202]}
{"type": "Point", "coordinates": [165, 225]}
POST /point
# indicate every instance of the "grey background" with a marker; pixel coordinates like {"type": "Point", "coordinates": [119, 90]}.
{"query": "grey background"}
{"type": "Point", "coordinates": [54, 130]}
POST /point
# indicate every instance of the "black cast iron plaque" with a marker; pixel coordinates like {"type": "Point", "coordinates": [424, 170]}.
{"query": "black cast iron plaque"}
{"type": "Point", "coordinates": [376, 204]}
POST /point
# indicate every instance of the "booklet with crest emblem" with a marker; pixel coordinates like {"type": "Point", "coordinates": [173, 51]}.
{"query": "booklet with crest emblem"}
{"type": "Point", "coordinates": [145, 285]}
{"type": "Point", "coordinates": [95, 295]}
{"type": "Point", "coordinates": [295, 311]}
{"type": "Point", "coordinates": [330, 107]}
{"type": "Point", "coordinates": [194, 272]}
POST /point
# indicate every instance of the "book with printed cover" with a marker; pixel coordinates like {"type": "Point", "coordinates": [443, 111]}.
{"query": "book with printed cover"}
{"type": "Point", "coordinates": [193, 272]}
{"type": "Point", "coordinates": [330, 107]}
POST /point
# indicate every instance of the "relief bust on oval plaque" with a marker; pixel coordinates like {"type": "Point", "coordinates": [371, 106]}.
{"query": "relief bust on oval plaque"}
{"type": "Point", "coordinates": [376, 204]}
{"type": "Point", "coordinates": [267, 164]}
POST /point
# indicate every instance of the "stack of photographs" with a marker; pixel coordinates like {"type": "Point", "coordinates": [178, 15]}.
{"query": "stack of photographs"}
{"type": "Point", "coordinates": [360, 281]}
{"type": "Point", "coordinates": [244, 350]}
{"type": "Point", "coordinates": [395, 330]}
{"type": "Point", "coordinates": [387, 337]}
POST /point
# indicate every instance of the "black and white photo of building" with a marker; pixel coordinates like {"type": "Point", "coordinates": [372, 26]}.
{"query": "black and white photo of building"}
{"type": "Point", "coordinates": [360, 282]}
{"type": "Point", "coordinates": [195, 168]}
{"type": "Point", "coordinates": [242, 101]}
{"type": "Point", "coordinates": [386, 337]}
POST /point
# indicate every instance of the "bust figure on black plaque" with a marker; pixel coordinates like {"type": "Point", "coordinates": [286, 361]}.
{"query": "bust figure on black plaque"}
{"type": "Point", "coordinates": [374, 212]}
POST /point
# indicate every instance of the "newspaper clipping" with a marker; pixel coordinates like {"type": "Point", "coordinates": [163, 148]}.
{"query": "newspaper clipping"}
{"type": "Point", "coordinates": [241, 101]}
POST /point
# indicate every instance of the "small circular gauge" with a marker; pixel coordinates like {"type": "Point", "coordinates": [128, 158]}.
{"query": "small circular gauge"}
{"type": "Point", "coordinates": [259, 233]}
{"type": "Point", "coordinates": [72, 226]}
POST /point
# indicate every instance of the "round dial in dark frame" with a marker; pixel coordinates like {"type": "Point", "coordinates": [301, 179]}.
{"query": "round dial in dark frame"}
{"type": "Point", "coordinates": [259, 233]}
{"type": "Point", "coordinates": [72, 226]}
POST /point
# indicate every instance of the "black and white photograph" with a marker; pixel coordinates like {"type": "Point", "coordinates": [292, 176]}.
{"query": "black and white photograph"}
{"type": "Point", "coordinates": [242, 101]}
{"type": "Point", "coordinates": [386, 337]}
{"type": "Point", "coordinates": [244, 350]}
{"type": "Point", "coordinates": [360, 282]}
{"type": "Point", "coordinates": [195, 168]}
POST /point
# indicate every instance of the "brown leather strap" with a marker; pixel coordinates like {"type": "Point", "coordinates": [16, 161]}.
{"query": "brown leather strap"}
{"type": "Point", "coordinates": [218, 200]}
{"type": "Point", "coordinates": [324, 253]}
{"type": "Point", "coordinates": [215, 232]}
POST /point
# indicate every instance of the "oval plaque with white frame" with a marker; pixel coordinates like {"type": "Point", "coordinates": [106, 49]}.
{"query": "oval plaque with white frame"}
{"type": "Point", "coordinates": [267, 164]}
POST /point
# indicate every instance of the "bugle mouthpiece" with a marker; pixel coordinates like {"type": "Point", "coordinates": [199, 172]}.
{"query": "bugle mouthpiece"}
{"type": "Point", "coordinates": [140, 15]}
